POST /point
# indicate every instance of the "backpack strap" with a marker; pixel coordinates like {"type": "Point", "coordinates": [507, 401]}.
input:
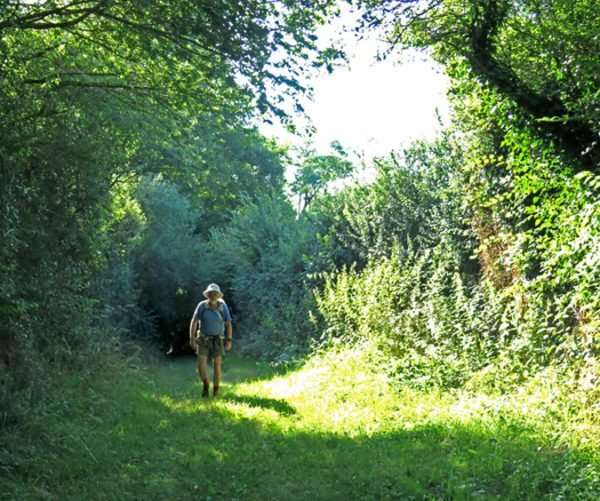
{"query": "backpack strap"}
{"type": "Point", "coordinates": [220, 309]}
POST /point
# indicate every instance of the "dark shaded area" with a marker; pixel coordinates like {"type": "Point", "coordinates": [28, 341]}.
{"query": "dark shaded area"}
{"type": "Point", "coordinates": [176, 332]}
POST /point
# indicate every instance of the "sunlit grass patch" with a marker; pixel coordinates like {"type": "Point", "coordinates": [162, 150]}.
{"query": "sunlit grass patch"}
{"type": "Point", "coordinates": [482, 434]}
{"type": "Point", "coordinates": [335, 393]}
{"type": "Point", "coordinates": [339, 411]}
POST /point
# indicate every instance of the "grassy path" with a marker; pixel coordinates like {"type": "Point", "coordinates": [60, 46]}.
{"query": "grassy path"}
{"type": "Point", "coordinates": [327, 431]}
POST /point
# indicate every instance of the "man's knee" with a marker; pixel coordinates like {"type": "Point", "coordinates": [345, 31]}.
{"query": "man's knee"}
{"type": "Point", "coordinates": [217, 362]}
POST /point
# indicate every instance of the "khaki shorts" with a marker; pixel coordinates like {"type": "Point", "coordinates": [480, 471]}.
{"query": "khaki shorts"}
{"type": "Point", "coordinates": [210, 346]}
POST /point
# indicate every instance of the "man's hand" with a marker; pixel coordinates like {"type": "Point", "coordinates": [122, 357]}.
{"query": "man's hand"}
{"type": "Point", "coordinates": [228, 335]}
{"type": "Point", "coordinates": [193, 330]}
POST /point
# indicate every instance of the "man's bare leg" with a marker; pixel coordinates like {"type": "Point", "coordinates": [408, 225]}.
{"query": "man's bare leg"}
{"type": "Point", "coordinates": [217, 375]}
{"type": "Point", "coordinates": [202, 359]}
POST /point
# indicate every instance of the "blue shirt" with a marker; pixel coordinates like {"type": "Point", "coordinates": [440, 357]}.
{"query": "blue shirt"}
{"type": "Point", "coordinates": [212, 322]}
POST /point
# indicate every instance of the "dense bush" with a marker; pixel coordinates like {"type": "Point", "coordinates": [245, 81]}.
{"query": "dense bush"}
{"type": "Point", "coordinates": [524, 137]}
{"type": "Point", "coordinates": [53, 191]}
{"type": "Point", "coordinates": [413, 202]}
{"type": "Point", "coordinates": [436, 318]}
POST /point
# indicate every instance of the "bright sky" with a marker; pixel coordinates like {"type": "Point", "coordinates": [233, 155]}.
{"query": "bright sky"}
{"type": "Point", "coordinates": [372, 107]}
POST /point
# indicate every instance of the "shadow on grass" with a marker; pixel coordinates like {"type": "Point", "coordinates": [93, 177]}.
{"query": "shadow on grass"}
{"type": "Point", "coordinates": [278, 405]}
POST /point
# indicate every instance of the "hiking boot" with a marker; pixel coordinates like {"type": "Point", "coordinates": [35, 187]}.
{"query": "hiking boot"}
{"type": "Point", "coordinates": [205, 392]}
{"type": "Point", "coordinates": [215, 391]}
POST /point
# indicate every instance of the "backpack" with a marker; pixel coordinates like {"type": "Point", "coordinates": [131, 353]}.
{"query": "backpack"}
{"type": "Point", "coordinates": [204, 307]}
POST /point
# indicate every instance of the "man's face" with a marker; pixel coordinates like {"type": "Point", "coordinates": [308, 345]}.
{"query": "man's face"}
{"type": "Point", "coordinates": [213, 296]}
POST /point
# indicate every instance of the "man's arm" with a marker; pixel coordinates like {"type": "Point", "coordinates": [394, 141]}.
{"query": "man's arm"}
{"type": "Point", "coordinates": [228, 335]}
{"type": "Point", "coordinates": [193, 330]}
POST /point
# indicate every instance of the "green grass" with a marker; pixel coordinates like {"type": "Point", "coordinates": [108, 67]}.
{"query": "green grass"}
{"type": "Point", "coordinates": [330, 430]}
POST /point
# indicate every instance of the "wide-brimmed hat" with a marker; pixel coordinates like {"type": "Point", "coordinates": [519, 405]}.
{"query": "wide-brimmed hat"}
{"type": "Point", "coordinates": [213, 288]}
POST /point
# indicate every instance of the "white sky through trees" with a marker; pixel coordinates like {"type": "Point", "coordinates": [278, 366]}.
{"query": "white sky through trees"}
{"type": "Point", "coordinates": [370, 106]}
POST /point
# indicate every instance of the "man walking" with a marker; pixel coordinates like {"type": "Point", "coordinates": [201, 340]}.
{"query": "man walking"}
{"type": "Point", "coordinates": [214, 321]}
